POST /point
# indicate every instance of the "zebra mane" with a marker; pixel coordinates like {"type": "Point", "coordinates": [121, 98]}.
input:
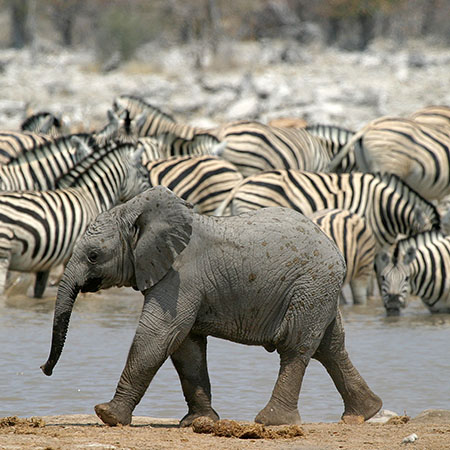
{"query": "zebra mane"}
{"type": "Point", "coordinates": [144, 106]}
{"type": "Point", "coordinates": [100, 153]}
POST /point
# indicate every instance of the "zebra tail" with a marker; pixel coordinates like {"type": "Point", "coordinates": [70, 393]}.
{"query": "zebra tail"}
{"type": "Point", "coordinates": [220, 210]}
{"type": "Point", "coordinates": [334, 163]}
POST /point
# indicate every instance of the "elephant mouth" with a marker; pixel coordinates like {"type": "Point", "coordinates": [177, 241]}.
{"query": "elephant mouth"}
{"type": "Point", "coordinates": [92, 285]}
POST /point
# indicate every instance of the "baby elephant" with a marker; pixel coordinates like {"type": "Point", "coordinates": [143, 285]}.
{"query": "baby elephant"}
{"type": "Point", "coordinates": [269, 277]}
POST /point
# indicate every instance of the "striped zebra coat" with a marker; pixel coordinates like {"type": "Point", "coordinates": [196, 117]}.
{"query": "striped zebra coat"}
{"type": "Point", "coordinates": [203, 181]}
{"type": "Point", "coordinates": [42, 122]}
{"type": "Point", "coordinates": [390, 206]}
{"type": "Point", "coordinates": [416, 153]}
{"type": "Point", "coordinates": [418, 266]}
{"type": "Point", "coordinates": [251, 146]}
{"type": "Point", "coordinates": [14, 143]}
{"type": "Point", "coordinates": [38, 169]}
{"type": "Point", "coordinates": [433, 116]}
{"type": "Point", "coordinates": [356, 241]}
{"type": "Point", "coordinates": [148, 120]}
{"type": "Point", "coordinates": [38, 229]}
{"type": "Point", "coordinates": [335, 139]}
{"type": "Point", "coordinates": [168, 145]}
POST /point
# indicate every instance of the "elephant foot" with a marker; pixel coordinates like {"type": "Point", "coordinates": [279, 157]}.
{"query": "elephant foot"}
{"type": "Point", "coordinates": [364, 409]}
{"type": "Point", "coordinates": [187, 420]}
{"type": "Point", "coordinates": [113, 414]}
{"type": "Point", "coordinates": [276, 415]}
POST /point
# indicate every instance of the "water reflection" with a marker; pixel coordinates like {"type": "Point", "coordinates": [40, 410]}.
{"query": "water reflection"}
{"type": "Point", "coordinates": [404, 359]}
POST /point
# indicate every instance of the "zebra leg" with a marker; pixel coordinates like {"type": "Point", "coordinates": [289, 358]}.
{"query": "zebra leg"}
{"type": "Point", "coordinates": [359, 400]}
{"type": "Point", "coordinates": [359, 290]}
{"type": "Point", "coordinates": [190, 362]}
{"type": "Point", "coordinates": [40, 283]}
{"type": "Point", "coordinates": [4, 265]}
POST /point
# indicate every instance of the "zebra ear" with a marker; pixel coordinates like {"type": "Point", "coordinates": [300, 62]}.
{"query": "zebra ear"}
{"type": "Point", "coordinates": [382, 260]}
{"type": "Point", "coordinates": [140, 120]}
{"type": "Point", "coordinates": [164, 229]}
{"type": "Point", "coordinates": [81, 148]}
{"type": "Point", "coordinates": [409, 255]}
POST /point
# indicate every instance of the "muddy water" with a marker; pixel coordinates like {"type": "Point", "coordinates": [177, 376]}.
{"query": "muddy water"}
{"type": "Point", "coordinates": [405, 360]}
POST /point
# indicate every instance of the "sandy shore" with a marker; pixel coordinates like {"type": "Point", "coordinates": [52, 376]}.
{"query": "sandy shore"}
{"type": "Point", "coordinates": [431, 428]}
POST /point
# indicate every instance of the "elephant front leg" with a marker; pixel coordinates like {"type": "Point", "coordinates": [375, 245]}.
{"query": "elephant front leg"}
{"type": "Point", "coordinates": [159, 333]}
{"type": "Point", "coordinates": [190, 362]}
{"type": "Point", "coordinates": [139, 370]}
{"type": "Point", "coordinates": [282, 407]}
{"type": "Point", "coordinates": [359, 400]}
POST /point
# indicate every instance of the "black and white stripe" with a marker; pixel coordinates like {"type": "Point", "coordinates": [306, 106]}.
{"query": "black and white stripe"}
{"type": "Point", "coordinates": [254, 147]}
{"type": "Point", "coordinates": [335, 139]}
{"type": "Point", "coordinates": [203, 181]}
{"type": "Point", "coordinates": [14, 143]}
{"type": "Point", "coordinates": [433, 116]}
{"type": "Point", "coordinates": [39, 168]}
{"type": "Point", "coordinates": [43, 122]}
{"type": "Point", "coordinates": [390, 206]}
{"type": "Point", "coordinates": [148, 120]}
{"type": "Point", "coordinates": [356, 241]}
{"type": "Point", "coordinates": [251, 146]}
{"type": "Point", "coordinates": [167, 145]}
{"type": "Point", "coordinates": [419, 266]}
{"type": "Point", "coordinates": [418, 154]}
{"type": "Point", "coordinates": [45, 225]}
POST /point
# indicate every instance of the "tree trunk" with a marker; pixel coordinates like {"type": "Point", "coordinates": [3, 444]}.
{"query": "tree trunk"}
{"type": "Point", "coordinates": [20, 34]}
{"type": "Point", "coordinates": [367, 27]}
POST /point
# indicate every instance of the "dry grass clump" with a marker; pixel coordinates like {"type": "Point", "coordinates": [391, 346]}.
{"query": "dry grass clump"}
{"type": "Point", "coordinates": [398, 420]}
{"type": "Point", "coordinates": [14, 421]}
{"type": "Point", "coordinates": [231, 428]}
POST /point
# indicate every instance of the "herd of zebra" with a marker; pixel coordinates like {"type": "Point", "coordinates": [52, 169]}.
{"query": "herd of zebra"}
{"type": "Point", "coordinates": [376, 192]}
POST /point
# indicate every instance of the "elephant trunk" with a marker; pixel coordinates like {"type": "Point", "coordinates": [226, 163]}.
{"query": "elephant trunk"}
{"type": "Point", "coordinates": [65, 299]}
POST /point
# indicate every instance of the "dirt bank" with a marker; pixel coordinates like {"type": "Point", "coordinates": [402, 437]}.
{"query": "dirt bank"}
{"type": "Point", "coordinates": [86, 432]}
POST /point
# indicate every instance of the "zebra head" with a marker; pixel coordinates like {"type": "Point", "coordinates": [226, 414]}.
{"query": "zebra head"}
{"type": "Point", "coordinates": [394, 277]}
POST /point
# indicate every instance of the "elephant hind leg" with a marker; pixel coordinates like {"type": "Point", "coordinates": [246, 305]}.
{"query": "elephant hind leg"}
{"type": "Point", "coordinates": [190, 362]}
{"type": "Point", "coordinates": [359, 400]}
{"type": "Point", "coordinates": [282, 408]}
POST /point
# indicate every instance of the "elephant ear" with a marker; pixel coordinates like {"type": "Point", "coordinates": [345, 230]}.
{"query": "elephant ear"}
{"type": "Point", "coordinates": [164, 229]}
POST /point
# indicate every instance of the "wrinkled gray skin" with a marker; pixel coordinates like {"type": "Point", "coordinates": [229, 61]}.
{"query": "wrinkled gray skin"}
{"type": "Point", "coordinates": [270, 277]}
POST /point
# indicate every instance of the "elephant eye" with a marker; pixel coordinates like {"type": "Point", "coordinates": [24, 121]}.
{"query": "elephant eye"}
{"type": "Point", "coordinates": [92, 257]}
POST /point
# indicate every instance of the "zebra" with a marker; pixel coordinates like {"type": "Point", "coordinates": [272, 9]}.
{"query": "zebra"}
{"type": "Point", "coordinates": [420, 266]}
{"type": "Point", "coordinates": [250, 145]}
{"type": "Point", "coordinates": [13, 143]}
{"type": "Point", "coordinates": [433, 116]}
{"type": "Point", "coordinates": [43, 122]}
{"type": "Point", "coordinates": [149, 120]}
{"type": "Point", "coordinates": [356, 241]}
{"type": "Point", "coordinates": [40, 168]}
{"type": "Point", "coordinates": [390, 207]}
{"type": "Point", "coordinates": [167, 145]}
{"type": "Point", "coordinates": [335, 138]}
{"type": "Point", "coordinates": [254, 147]}
{"type": "Point", "coordinates": [203, 181]}
{"type": "Point", "coordinates": [44, 226]}
{"type": "Point", "coordinates": [418, 154]}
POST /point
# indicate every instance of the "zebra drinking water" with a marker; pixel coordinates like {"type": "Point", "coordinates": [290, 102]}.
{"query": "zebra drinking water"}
{"type": "Point", "coordinates": [418, 266]}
